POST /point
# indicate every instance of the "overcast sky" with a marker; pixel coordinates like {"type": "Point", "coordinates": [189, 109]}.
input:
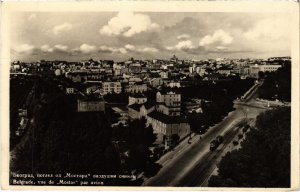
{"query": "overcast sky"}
{"type": "Point", "coordinates": [119, 36]}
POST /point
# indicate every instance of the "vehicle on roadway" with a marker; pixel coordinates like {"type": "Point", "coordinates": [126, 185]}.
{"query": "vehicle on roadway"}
{"type": "Point", "coordinates": [215, 143]}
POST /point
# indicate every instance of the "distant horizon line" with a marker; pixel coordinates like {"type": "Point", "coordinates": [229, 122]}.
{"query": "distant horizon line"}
{"type": "Point", "coordinates": [152, 59]}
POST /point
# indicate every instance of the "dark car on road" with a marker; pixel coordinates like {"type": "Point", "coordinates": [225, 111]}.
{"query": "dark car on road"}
{"type": "Point", "coordinates": [215, 143]}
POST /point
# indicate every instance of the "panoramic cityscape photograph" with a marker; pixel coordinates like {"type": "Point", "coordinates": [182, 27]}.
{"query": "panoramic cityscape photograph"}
{"type": "Point", "coordinates": [150, 99]}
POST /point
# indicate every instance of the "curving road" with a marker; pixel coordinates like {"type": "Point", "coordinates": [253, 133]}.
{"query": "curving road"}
{"type": "Point", "coordinates": [192, 164]}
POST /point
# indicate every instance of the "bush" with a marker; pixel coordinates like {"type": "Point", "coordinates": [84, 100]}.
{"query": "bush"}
{"type": "Point", "coordinates": [235, 143]}
{"type": "Point", "coordinates": [240, 136]}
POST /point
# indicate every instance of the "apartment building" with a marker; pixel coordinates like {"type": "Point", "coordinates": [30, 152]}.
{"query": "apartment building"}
{"type": "Point", "coordinates": [111, 87]}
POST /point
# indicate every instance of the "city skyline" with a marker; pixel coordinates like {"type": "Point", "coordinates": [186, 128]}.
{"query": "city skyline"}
{"type": "Point", "coordinates": [121, 35]}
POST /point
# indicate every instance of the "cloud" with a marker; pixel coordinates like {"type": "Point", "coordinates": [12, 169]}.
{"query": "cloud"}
{"type": "Point", "coordinates": [128, 24]}
{"type": "Point", "coordinates": [182, 45]}
{"type": "Point", "coordinates": [219, 37]}
{"type": "Point", "coordinates": [46, 49]}
{"type": "Point", "coordinates": [127, 48]}
{"type": "Point", "coordinates": [122, 50]}
{"type": "Point", "coordinates": [183, 37]}
{"type": "Point", "coordinates": [107, 49]}
{"type": "Point", "coordinates": [86, 49]}
{"type": "Point", "coordinates": [221, 48]}
{"type": "Point", "coordinates": [31, 17]}
{"type": "Point", "coordinates": [62, 48]}
{"type": "Point", "coordinates": [187, 25]}
{"type": "Point", "coordinates": [62, 28]}
{"type": "Point", "coordinates": [24, 49]}
{"type": "Point", "coordinates": [140, 49]}
{"type": "Point", "coordinates": [148, 49]}
{"type": "Point", "coordinates": [130, 47]}
{"type": "Point", "coordinates": [269, 29]}
{"type": "Point", "coordinates": [187, 47]}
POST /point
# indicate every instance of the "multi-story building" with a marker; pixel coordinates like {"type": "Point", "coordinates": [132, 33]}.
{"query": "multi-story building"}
{"type": "Point", "coordinates": [244, 70]}
{"type": "Point", "coordinates": [279, 58]}
{"type": "Point", "coordinates": [137, 98]}
{"type": "Point", "coordinates": [165, 126]}
{"type": "Point", "coordinates": [133, 80]}
{"type": "Point", "coordinates": [90, 105]}
{"type": "Point", "coordinates": [236, 70]}
{"type": "Point", "coordinates": [134, 68]}
{"type": "Point", "coordinates": [269, 68]}
{"type": "Point", "coordinates": [111, 87]}
{"type": "Point", "coordinates": [255, 69]}
{"type": "Point", "coordinates": [77, 76]}
{"type": "Point", "coordinates": [224, 71]}
{"type": "Point", "coordinates": [168, 103]}
{"type": "Point", "coordinates": [138, 87]}
{"type": "Point", "coordinates": [168, 98]}
{"type": "Point", "coordinates": [169, 110]}
{"type": "Point", "coordinates": [155, 82]}
{"type": "Point", "coordinates": [164, 74]}
{"type": "Point", "coordinates": [70, 90]}
{"type": "Point", "coordinates": [173, 84]}
{"type": "Point", "coordinates": [200, 71]}
{"type": "Point", "coordinates": [211, 77]}
{"type": "Point", "coordinates": [155, 65]}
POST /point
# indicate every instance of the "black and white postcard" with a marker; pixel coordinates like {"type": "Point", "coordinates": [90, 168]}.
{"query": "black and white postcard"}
{"type": "Point", "coordinates": [186, 95]}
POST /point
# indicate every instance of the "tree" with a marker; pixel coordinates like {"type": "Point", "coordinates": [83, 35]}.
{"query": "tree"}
{"type": "Point", "coordinates": [217, 100]}
{"type": "Point", "coordinates": [277, 84]}
{"type": "Point", "coordinates": [240, 136]}
{"type": "Point", "coordinates": [195, 122]}
{"type": "Point", "coordinates": [264, 157]}
{"type": "Point", "coordinates": [174, 139]}
{"type": "Point", "coordinates": [261, 75]}
{"type": "Point", "coordinates": [235, 143]}
{"type": "Point", "coordinates": [140, 138]}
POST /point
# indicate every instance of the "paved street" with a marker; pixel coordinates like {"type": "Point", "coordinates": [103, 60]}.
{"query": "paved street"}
{"type": "Point", "coordinates": [206, 165]}
{"type": "Point", "coordinates": [196, 160]}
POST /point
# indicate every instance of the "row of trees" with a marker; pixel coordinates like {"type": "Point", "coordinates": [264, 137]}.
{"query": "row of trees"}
{"type": "Point", "coordinates": [219, 101]}
{"type": "Point", "coordinates": [264, 159]}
